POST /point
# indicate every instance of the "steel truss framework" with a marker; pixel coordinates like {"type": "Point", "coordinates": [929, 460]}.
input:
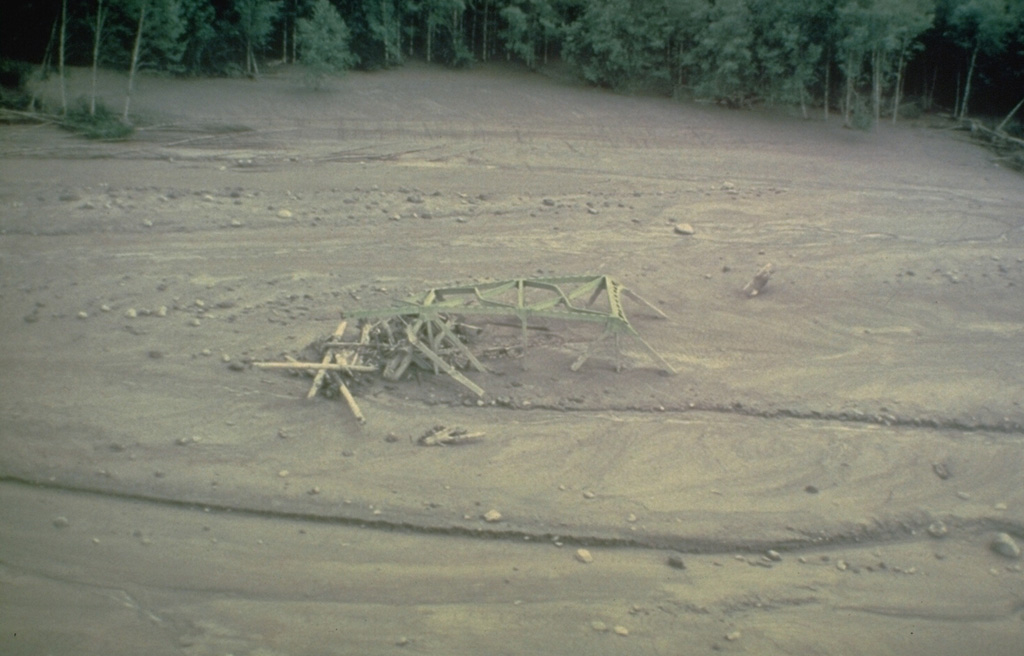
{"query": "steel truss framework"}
{"type": "Point", "coordinates": [570, 298]}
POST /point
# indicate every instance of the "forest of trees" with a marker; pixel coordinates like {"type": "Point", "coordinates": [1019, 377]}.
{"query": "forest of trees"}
{"type": "Point", "coordinates": [867, 60]}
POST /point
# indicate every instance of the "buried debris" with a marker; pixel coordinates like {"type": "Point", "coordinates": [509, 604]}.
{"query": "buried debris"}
{"type": "Point", "coordinates": [447, 436]}
{"type": "Point", "coordinates": [758, 282]}
{"type": "Point", "coordinates": [430, 332]}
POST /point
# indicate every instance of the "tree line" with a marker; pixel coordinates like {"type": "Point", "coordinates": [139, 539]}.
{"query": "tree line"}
{"type": "Point", "coordinates": [860, 58]}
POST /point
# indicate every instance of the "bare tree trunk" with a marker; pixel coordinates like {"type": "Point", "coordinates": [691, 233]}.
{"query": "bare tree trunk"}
{"type": "Point", "coordinates": [849, 92]}
{"type": "Point", "coordinates": [60, 60]}
{"type": "Point", "coordinates": [967, 82]}
{"type": "Point", "coordinates": [135, 60]}
{"type": "Point", "coordinates": [284, 41]}
{"type": "Point", "coordinates": [876, 84]}
{"type": "Point", "coordinates": [898, 91]}
{"type": "Point", "coordinates": [487, 4]}
{"type": "Point", "coordinates": [96, 55]}
{"type": "Point", "coordinates": [828, 80]}
{"type": "Point", "coordinates": [1009, 116]}
{"type": "Point", "coordinates": [430, 36]}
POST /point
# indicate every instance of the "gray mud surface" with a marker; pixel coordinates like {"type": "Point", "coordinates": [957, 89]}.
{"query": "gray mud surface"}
{"type": "Point", "coordinates": [830, 465]}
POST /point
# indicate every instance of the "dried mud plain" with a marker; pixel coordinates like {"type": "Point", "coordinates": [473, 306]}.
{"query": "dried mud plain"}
{"type": "Point", "coordinates": [861, 419]}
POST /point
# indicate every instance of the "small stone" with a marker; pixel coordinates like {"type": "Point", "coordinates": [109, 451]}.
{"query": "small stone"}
{"type": "Point", "coordinates": [61, 522]}
{"type": "Point", "coordinates": [999, 506]}
{"type": "Point", "coordinates": [599, 626]}
{"type": "Point", "coordinates": [195, 323]}
{"type": "Point", "coordinates": [104, 308]}
{"type": "Point", "coordinates": [161, 311]}
{"type": "Point", "coordinates": [733, 636]}
{"type": "Point", "coordinates": [131, 313]}
{"type": "Point", "coordinates": [1004, 545]}
{"type": "Point", "coordinates": [492, 516]}
{"type": "Point", "coordinates": [402, 642]}
{"type": "Point", "coordinates": [774, 555]}
{"type": "Point", "coordinates": [683, 229]}
{"type": "Point", "coordinates": [676, 562]}
{"type": "Point", "coordinates": [235, 223]}
{"type": "Point", "coordinates": [283, 473]}
{"type": "Point", "coordinates": [548, 202]}
{"type": "Point", "coordinates": [584, 556]}
{"type": "Point", "coordinates": [965, 496]}
{"type": "Point", "coordinates": [588, 495]}
{"type": "Point", "coordinates": [938, 529]}
{"type": "Point", "coordinates": [621, 630]}
{"type": "Point", "coordinates": [841, 565]}
{"type": "Point", "coordinates": [155, 354]}
{"type": "Point", "coordinates": [631, 518]}
{"type": "Point", "coordinates": [83, 315]}
{"type": "Point", "coordinates": [284, 214]}
{"type": "Point", "coordinates": [941, 470]}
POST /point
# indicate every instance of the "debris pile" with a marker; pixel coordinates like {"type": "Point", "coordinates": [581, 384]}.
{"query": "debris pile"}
{"type": "Point", "coordinates": [431, 333]}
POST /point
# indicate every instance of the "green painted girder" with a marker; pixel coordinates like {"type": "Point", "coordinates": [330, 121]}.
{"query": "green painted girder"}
{"type": "Point", "coordinates": [510, 298]}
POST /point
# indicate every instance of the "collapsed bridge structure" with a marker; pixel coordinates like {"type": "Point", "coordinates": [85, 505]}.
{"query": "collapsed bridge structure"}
{"type": "Point", "coordinates": [430, 330]}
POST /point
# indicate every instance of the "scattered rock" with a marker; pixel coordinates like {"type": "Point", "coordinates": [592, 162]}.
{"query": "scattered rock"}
{"type": "Point", "coordinates": [131, 313]}
{"type": "Point", "coordinates": [841, 565]}
{"type": "Point", "coordinates": [548, 202]}
{"type": "Point", "coordinates": [774, 555]}
{"type": "Point", "coordinates": [283, 473]}
{"type": "Point", "coordinates": [492, 516]}
{"type": "Point", "coordinates": [733, 636]}
{"type": "Point", "coordinates": [938, 529]}
{"type": "Point", "coordinates": [599, 626]}
{"type": "Point", "coordinates": [810, 489]}
{"type": "Point", "coordinates": [1004, 545]}
{"type": "Point", "coordinates": [83, 315]}
{"type": "Point", "coordinates": [155, 354]}
{"type": "Point", "coordinates": [284, 214]}
{"type": "Point", "coordinates": [61, 522]}
{"type": "Point", "coordinates": [676, 562]}
{"type": "Point", "coordinates": [941, 470]}
{"type": "Point", "coordinates": [621, 630]}
{"type": "Point", "coordinates": [588, 495]}
{"type": "Point", "coordinates": [584, 556]}
{"type": "Point", "coordinates": [683, 229]}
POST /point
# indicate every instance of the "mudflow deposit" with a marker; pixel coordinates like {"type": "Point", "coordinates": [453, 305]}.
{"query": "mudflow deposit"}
{"type": "Point", "coordinates": [835, 468]}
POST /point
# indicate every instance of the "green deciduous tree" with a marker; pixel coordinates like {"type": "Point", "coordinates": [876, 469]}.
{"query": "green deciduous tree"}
{"type": "Point", "coordinates": [255, 21]}
{"type": "Point", "coordinates": [980, 27]}
{"type": "Point", "coordinates": [724, 53]}
{"type": "Point", "coordinates": [623, 44]}
{"type": "Point", "coordinates": [529, 26]}
{"type": "Point", "coordinates": [323, 41]}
